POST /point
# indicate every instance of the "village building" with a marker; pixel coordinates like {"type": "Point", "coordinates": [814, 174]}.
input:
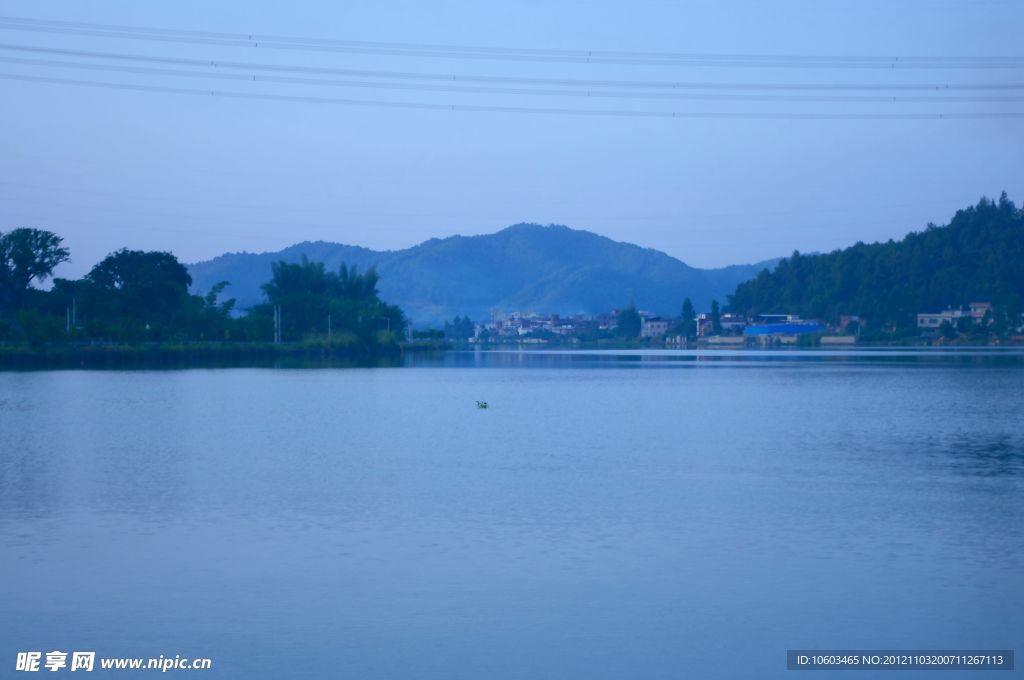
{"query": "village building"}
{"type": "Point", "coordinates": [976, 311]}
{"type": "Point", "coordinates": [653, 327]}
{"type": "Point", "coordinates": [782, 328]}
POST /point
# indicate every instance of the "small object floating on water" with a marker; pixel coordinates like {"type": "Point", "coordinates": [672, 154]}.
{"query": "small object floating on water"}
{"type": "Point", "coordinates": [481, 404]}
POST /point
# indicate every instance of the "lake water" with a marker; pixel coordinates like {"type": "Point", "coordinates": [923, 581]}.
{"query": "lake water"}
{"type": "Point", "coordinates": [611, 515]}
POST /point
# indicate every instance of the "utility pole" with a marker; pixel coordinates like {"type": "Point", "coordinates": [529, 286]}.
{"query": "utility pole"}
{"type": "Point", "coordinates": [328, 326]}
{"type": "Point", "coordinates": [277, 324]}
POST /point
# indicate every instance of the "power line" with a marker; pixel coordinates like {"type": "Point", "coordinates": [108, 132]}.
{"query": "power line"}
{"type": "Point", "coordinates": [474, 108]}
{"type": "Point", "coordinates": [508, 53]}
{"type": "Point", "coordinates": [471, 89]}
{"type": "Point", "coordinates": [553, 82]}
{"type": "Point", "coordinates": [512, 80]}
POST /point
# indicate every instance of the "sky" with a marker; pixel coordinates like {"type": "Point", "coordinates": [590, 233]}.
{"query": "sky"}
{"type": "Point", "coordinates": [112, 151]}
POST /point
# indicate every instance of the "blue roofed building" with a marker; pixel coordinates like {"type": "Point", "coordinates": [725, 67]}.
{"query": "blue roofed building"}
{"type": "Point", "coordinates": [782, 331]}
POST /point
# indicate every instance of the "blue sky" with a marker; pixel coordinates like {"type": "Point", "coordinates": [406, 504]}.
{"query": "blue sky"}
{"type": "Point", "coordinates": [203, 175]}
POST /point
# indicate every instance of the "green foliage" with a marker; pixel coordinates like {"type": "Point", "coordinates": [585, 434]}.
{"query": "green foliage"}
{"type": "Point", "coordinates": [629, 323]}
{"type": "Point", "coordinates": [460, 329]}
{"type": "Point", "coordinates": [138, 295]}
{"type": "Point", "coordinates": [314, 301]}
{"type": "Point", "coordinates": [135, 296]}
{"type": "Point", "coordinates": [716, 318]}
{"type": "Point", "coordinates": [686, 325]}
{"type": "Point", "coordinates": [36, 327]}
{"type": "Point", "coordinates": [211, 320]}
{"type": "Point", "coordinates": [26, 255]}
{"type": "Point", "coordinates": [977, 257]}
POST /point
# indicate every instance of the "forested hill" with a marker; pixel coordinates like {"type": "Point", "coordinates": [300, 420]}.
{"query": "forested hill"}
{"type": "Point", "coordinates": [524, 267]}
{"type": "Point", "coordinates": [978, 256]}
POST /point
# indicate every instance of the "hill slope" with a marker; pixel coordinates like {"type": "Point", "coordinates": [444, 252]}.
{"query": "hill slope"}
{"type": "Point", "coordinates": [978, 256]}
{"type": "Point", "coordinates": [524, 267]}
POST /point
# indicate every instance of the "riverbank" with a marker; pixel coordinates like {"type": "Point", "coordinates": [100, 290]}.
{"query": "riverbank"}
{"type": "Point", "coordinates": [812, 342]}
{"type": "Point", "coordinates": [352, 355]}
{"type": "Point", "coordinates": [200, 355]}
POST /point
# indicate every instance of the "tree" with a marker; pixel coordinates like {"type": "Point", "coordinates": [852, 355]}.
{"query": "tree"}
{"type": "Point", "coordinates": [688, 321]}
{"type": "Point", "coordinates": [303, 290]}
{"type": "Point", "coordinates": [716, 318]}
{"type": "Point", "coordinates": [141, 294]}
{"type": "Point", "coordinates": [311, 298]}
{"type": "Point", "coordinates": [975, 258]}
{"type": "Point", "coordinates": [459, 329]}
{"type": "Point", "coordinates": [26, 255]}
{"type": "Point", "coordinates": [208, 318]}
{"type": "Point", "coordinates": [134, 295]}
{"type": "Point", "coordinates": [629, 323]}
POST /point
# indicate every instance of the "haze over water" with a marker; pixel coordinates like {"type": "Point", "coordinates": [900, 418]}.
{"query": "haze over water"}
{"type": "Point", "coordinates": [611, 515]}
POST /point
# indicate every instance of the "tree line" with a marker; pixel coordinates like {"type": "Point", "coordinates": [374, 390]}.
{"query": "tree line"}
{"type": "Point", "coordinates": [143, 296]}
{"type": "Point", "coordinates": [975, 258]}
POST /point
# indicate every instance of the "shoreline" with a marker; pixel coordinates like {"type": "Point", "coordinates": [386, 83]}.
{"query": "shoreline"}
{"type": "Point", "coordinates": [195, 355]}
{"type": "Point", "coordinates": [324, 355]}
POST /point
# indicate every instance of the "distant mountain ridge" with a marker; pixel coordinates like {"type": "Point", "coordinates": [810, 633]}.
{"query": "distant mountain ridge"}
{"type": "Point", "coordinates": [525, 267]}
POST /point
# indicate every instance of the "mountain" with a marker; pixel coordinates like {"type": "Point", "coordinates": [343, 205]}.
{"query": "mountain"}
{"type": "Point", "coordinates": [523, 267]}
{"type": "Point", "coordinates": [977, 257]}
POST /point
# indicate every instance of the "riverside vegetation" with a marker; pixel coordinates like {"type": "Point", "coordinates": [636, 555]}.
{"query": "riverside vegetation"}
{"type": "Point", "coordinates": [978, 256]}
{"type": "Point", "coordinates": [135, 306]}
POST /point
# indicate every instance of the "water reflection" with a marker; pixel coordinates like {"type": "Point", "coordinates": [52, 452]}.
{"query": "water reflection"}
{"type": "Point", "coordinates": [979, 454]}
{"type": "Point", "coordinates": [1004, 358]}
{"type": "Point", "coordinates": [600, 523]}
